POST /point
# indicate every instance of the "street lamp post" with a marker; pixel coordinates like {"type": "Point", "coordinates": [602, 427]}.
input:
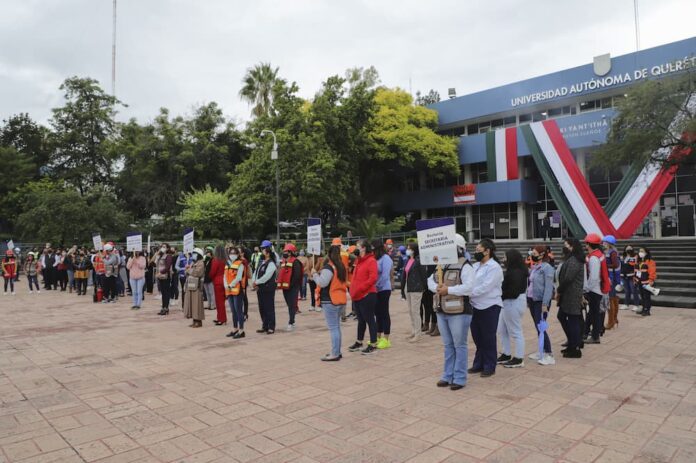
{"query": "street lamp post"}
{"type": "Point", "coordinates": [274, 156]}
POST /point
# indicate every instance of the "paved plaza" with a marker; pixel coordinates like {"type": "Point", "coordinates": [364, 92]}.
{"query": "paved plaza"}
{"type": "Point", "coordinates": [92, 382]}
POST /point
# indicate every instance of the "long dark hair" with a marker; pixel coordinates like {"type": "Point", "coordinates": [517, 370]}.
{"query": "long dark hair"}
{"type": "Point", "coordinates": [220, 253]}
{"type": "Point", "coordinates": [335, 258]}
{"type": "Point", "coordinates": [378, 248]}
{"type": "Point", "coordinates": [514, 260]}
{"type": "Point", "coordinates": [365, 244]}
{"type": "Point", "coordinates": [488, 244]}
{"type": "Point", "coordinates": [576, 249]}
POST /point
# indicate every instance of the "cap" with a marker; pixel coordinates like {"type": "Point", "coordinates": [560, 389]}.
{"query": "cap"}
{"type": "Point", "coordinates": [108, 247]}
{"type": "Point", "coordinates": [389, 241]}
{"type": "Point", "coordinates": [336, 242]}
{"type": "Point", "coordinates": [199, 251]}
{"type": "Point", "coordinates": [593, 238]}
{"type": "Point", "coordinates": [266, 244]}
{"type": "Point", "coordinates": [611, 239]}
{"type": "Point", "coordinates": [289, 247]}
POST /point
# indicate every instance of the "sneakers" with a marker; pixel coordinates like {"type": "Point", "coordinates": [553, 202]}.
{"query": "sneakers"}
{"type": "Point", "coordinates": [514, 362]}
{"type": "Point", "coordinates": [383, 343]}
{"type": "Point", "coordinates": [504, 358]}
{"type": "Point", "coordinates": [637, 309]}
{"type": "Point", "coordinates": [30, 291]}
{"type": "Point", "coordinates": [355, 347]}
{"type": "Point", "coordinates": [623, 307]}
{"type": "Point", "coordinates": [290, 327]}
{"type": "Point", "coordinates": [547, 360]}
{"type": "Point", "coordinates": [317, 309]}
{"type": "Point", "coordinates": [533, 356]}
{"type": "Point", "coordinates": [369, 349]}
{"type": "Point", "coordinates": [311, 309]}
{"type": "Point", "coordinates": [572, 354]}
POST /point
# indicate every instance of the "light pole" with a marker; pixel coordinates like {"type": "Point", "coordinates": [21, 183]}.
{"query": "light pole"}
{"type": "Point", "coordinates": [274, 157]}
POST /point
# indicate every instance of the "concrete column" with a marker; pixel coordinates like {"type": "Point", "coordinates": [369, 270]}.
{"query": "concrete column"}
{"type": "Point", "coordinates": [521, 220]}
{"type": "Point", "coordinates": [582, 162]}
{"type": "Point", "coordinates": [468, 210]}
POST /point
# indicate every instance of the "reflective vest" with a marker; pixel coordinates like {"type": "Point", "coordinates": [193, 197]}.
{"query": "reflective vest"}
{"type": "Point", "coordinates": [337, 288]}
{"type": "Point", "coordinates": [285, 274]}
{"type": "Point", "coordinates": [99, 266]}
{"type": "Point", "coordinates": [231, 271]}
{"type": "Point", "coordinates": [451, 304]}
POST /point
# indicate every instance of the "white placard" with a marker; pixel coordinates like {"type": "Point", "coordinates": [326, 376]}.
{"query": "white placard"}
{"type": "Point", "coordinates": [188, 240]}
{"type": "Point", "coordinates": [314, 236]}
{"type": "Point", "coordinates": [134, 242]}
{"type": "Point", "coordinates": [97, 241]}
{"type": "Point", "coordinates": [436, 241]}
{"type": "Point", "coordinates": [10, 245]}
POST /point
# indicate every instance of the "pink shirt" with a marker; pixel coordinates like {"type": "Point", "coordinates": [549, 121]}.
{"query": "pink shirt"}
{"type": "Point", "coordinates": [137, 267]}
{"type": "Point", "coordinates": [409, 264]}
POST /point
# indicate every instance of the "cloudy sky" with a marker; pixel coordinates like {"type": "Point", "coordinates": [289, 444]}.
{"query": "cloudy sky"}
{"type": "Point", "coordinates": [180, 53]}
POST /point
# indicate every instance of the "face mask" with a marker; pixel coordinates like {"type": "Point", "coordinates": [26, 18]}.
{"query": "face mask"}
{"type": "Point", "coordinates": [566, 251]}
{"type": "Point", "coordinates": [163, 249]}
{"type": "Point", "coordinates": [409, 252]}
{"type": "Point", "coordinates": [641, 255]}
{"type": "Point", "coordinates": [478, 256]}
{"type": "Point", "coordinates": [630, 252]}
{"type": "Point", "coordinates": [356, 253]}
{"type": "Point", "coordinates": [285, 255]}
{"type": "Point", "coordinates": [194, 257]}
{"type": "Point", "coordinates": [389, 246]}
{"type": "Point", "coordinates": [302, 253]}
{"type": "Point", "coordinates": [536, 258]}
{"type": "Point", "coordinates": [233, 257]}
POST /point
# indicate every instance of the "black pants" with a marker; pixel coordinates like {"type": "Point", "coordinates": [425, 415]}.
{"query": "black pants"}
{"type": "Point", "coordinates": [484, 328]}
{"type": "Point", "coordinates": [110, 287]}
{"type": "Point", "coordinates": [365, 309]}
{"type": "Point", "coordinates": [312, 289]}
{"type": "Point", "coordinates": [245, 301]}
{"type": "Point", "coordinates": [382, 312]}
{"type": "Point", "coordinates": [63, 279]}
{"type": "Point", "coordinates": [645, 299]}
{"type": "Point", "coordinates": [267, 309]}
{"type": "Point", "coordinates": [571, 327]}
{"type": "Point", "coordinates": [81, 285]}
{"type": "Point", "coordinates": [428, 315]}
{"type": "Point", "coordinates": [290, 296]}
{"type": "Point", "coordinates": [164, 285]}
{"type": "Point", "coordinates": [593, 324]}
{"type": "Point", "coordinates": [174, 288]}
{"type": "Point", "coordinates": [9, 281]}
{"type": "Point", "coordinates": [33, 279]}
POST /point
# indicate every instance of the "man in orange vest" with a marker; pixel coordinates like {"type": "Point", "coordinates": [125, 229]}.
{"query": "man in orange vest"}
{"type": "Point", "coordinates": [289, 281]}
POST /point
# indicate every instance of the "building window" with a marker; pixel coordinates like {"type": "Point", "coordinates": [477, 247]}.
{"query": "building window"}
{"type": "Point", "coordinates": [472, 129]}
{"type": "Point", "coordinates": [525, 118]}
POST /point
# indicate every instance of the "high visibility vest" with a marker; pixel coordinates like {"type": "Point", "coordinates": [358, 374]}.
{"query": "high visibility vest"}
{"type": "Point", "coordinates": [285, 274]}
{"type": "Point", "coordinates": [231, 271]}
{"type": "Point", "coordinates": [337, 289]}
{"type": "Point", "coordinates": [345, 258]}
{"type": "Point", "coordinates": [99, 266]}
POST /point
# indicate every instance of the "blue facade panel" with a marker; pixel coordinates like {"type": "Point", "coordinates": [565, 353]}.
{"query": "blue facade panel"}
{"type": "Point", "coordinates": [579, 81]}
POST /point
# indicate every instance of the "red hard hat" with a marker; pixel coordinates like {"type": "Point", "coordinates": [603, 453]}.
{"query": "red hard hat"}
{"type": "Point", "coordinates": [290, 247]}
{"type": "Point", "coordinates": [389, 241]}
{"type": "Point", "coordinates": [593, 238]}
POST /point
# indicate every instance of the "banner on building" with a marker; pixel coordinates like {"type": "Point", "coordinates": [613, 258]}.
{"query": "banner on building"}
{"type": "Point", "coordinates": [97, 241]}
{"type": "Point", "coordinates": [436, 241]}
{"type": "Point", "coordinates": [314, 236]}
{"type": "Point", "coordinates": [134, 242]}
{"type": "Point", "coordinates": [501, 155]}
{"type": "Point", "coordinates": [464, 194]}
{"type": "Point", "coordinates": [188, 240]}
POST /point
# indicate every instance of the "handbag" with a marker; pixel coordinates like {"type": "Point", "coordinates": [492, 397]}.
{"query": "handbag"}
{"type": "Point", "coordinates": [193, 283]}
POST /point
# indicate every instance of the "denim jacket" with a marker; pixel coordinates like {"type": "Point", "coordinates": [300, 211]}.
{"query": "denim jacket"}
{"type": "Point", "coordinates": [542, 284]}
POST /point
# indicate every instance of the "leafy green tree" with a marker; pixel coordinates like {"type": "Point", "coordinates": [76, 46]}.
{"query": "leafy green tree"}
{"type": "Point", "coordinates": [17, 170]}
{"type": "Point", "coordinates": [257, 88]}
{"type": "Point", "coordinates": [406, 134]}
{"type": "Point", "coordinates": [432, 97]}
{"type": "Point", "coordinates": [82, 129]}
{"type": "Point", "coordinates": [653, 115]}
{"type": "Point", "coordinates": [209, 212]}
{"type": "Point", "coordinates": [373, 226]}
{"type": "Point", "coordinates": [27, 138]}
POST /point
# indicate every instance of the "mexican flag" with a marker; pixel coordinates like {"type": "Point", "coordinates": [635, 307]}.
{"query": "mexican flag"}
{"type": "Point", "coordinates": [501, 154]}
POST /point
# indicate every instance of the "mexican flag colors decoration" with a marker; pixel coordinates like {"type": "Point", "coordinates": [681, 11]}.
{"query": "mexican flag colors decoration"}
{"type": "Point", "coordinates": [501, 155]}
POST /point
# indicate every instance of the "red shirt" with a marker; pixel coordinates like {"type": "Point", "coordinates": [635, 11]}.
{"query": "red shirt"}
{"type": "Point", "coordinates": [217, 272]}
{"type": "Point", "coordinates": [364, 277]}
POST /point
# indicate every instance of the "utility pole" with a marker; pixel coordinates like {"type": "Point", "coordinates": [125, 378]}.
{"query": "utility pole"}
{"type": "Point", "coordinates": [635, 23]}
{"type": "Point", "coordinates": [113, 54]}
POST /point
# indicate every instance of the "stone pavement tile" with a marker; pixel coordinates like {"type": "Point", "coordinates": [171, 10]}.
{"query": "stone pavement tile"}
{"type": "Point", "coordinates": [92, 451]}
{"type": "Point", "coordinates": [407, 442]}
{"type": "Point", "coordinates": [282, 456]}
{"type": "Point", "coordinates": [21, 450]}
{"type": "Point", "coordinates": [575, 431]}
{"type": "Point", "coordinates": [583, 453]}
{"type": "Point", "coordinates": [65, 455]}
{"type": "Point", "coordinates": [190, 444]}
{"type": "Point", "coordinates": [507, 454]}
{"type": "Point", "coordinates": [613, 440]}
{"type": "Point", "coordinates": [166, 451]}
{"type": "Point", "coordinates": [50, 442]}
{"type": "Point", "coordinates": [612, 456]}
{"type": "Point", "coordinates": [538, 458]}
{"type": "Point", "coordinates": [139, 455]}
{"type": "Point", "coordinates": [431, 455]}
{"type": "Point", "coordinates": [541, 442]}
{"type": "Point", "coordinates": [262, 444]}
{"type": "Point", "coordinates": [361, 455]}
{"type": "Point", "coordinates": [239, 451]}
{"type": "Point", "coordinates": [294, 438]}
{"type": "Point", "coordinates": [207, 456]}
{"type": "Point", "coordinates": [120, 443]}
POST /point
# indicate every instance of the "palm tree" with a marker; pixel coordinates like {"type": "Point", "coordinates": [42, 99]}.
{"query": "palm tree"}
{"type": "Point", "coordinates": [257, 89]}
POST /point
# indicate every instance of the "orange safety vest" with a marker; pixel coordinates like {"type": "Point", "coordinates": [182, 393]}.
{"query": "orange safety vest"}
{"type": "Point", "coordinates": [285, 274]}
{"type": "Point", "coordinates": [99, 265]}
{"type": "Point", "coordinates": [230, 275]}
{"type": "Point", "coordinates": [345, 258]}
{"type": "Point", "coordinates": [337, 289]}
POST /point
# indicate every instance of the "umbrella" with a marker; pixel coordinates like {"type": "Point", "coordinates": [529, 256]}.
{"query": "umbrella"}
{"type": "Point", "coordinates": [542, 326]}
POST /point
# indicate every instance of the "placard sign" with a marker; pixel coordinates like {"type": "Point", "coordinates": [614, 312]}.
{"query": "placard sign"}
{"type": "Point", "coordinates": [10, 245]}
{"type": "Point", "coordinates": [436, 241]}
{"type": "Point", "coordinates": [97, 241]}
{"type": "Point", "coordinates": [188, 240]}
{"type": "Point", "coordinates": [134, 242]}
{"type": "Point", "coordinates": [314, 236]}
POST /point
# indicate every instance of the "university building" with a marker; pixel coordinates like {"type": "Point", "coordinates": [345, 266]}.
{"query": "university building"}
{"type": "Point", "coordinates": [502, 193]}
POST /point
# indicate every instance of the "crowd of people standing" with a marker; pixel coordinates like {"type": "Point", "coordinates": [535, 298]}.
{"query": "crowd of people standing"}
{"type": "Point", "coordinates": [481, 294]}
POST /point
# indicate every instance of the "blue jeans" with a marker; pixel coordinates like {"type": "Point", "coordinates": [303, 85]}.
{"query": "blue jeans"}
{"type": "Point", "coordinates": [484, 324]}
{"type": "Point", "coordinates": [631, 291]}
{"type": "Point", "coordinates": [237, 309]}
{"type": "Point", "coordinates": [510, 325]}
{"type": "Point", "coordinates": [71, 278]}
{"type": "Point", "coordinates": [332, 313]}
{"type": "Point", "coordinates": [535, 310]}
{"type": "Point", "coordinates": [303, 288]}
{"type": "Point", "coordinates": [137, 289]}
{"type": "Point", "coordinates": [454, 330]}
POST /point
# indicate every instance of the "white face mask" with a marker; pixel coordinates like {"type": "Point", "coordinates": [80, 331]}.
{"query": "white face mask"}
{"type": "Point", "coordinates": [409, 252]}
{"type": "Point", "coordinates": [233, 257]}
{"type": "Point", "coordinates": [641, 255]}
{"type": "Point", "coordinates": [163, 249]}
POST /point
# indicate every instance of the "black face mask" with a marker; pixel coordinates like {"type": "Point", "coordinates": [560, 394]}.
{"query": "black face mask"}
{"type": "Point", "coordinates": [478, 256]}
{"type": "Point", "coordinates": [356, 253]}
{"type": "Point", "coordinates": [631, 252]}
{"type": "Point", "coordinates": [566, 251]}
{"type": "Point", "coordinates": [285, 255]}
{"type": "Point", "coordinates": [536, 258]}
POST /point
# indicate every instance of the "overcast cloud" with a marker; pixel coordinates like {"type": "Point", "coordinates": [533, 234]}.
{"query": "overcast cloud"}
{"type": "Point", "coordinates": [180, 53]}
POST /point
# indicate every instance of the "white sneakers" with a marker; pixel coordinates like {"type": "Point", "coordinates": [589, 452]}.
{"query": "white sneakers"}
{"type": "Point", "coordinates": [533, 356]}
{"type": "Point", "coordinates": [290, 328]}
{"type": "Point", "coordinates": [636, 309]}
{"type": "Point", "coordinates": [547, 360]}
{"type": "Point", "coordinates": [623, 307]}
